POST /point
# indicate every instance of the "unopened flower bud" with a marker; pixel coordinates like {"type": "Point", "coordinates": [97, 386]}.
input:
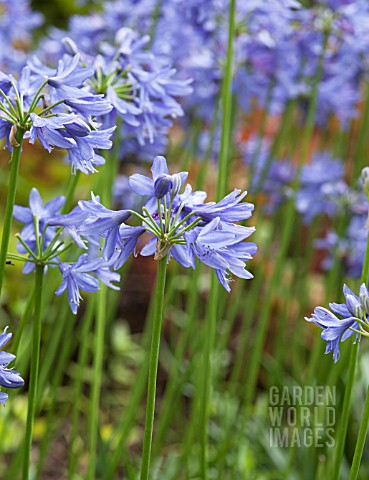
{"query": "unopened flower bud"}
{"type": "Point", "coordinates": [163, 185]}
{"type": "Point", "coordinates": [177, 182]}
{"type": "Point", "coordinates": [352, 304]}
{"type": "Point", "coordinates": [359, 313]}
{"type": "Point", "coordinates": [364, 299]}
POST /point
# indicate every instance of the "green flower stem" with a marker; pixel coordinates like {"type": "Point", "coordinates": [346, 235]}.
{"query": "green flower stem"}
{"type": "Point", "coordinates": [360, 440]}
{"type": "Point", "coordinates": [176, 378]}
{"type": "Point", "coordinates": [71, 188]}
{"type": "Point", "coordinates": [11, 107]}
{"type": "Point", "coordinates": [27, 313]}
{"type": "Point", "coordinates": [349, 386]}
{"type": "Point", "coordinates": [119, 437]}
{"type": "Point", "coordinates": [209, 342]}
{"type": "Point", "coordinates": [82, 360]}
{"type": "Point", "coordinates": [35, 358]}
{"type": "Point", "coordinates": [105, 187]}
{"type": "Point", "coordinates": [50, 355]}
{"type": "Point", "coordinates": [222, 185]}
{"type": "Point", "coordinates": [153, 368]}
{"type": "Point", "coordinates": [226, 102]}
{"type": "Point", "coordinates": [93, 423]}
{"type": "Point", "coordinates": [10, 201]}
{"type": "Point", "coordinates": [55, 385]}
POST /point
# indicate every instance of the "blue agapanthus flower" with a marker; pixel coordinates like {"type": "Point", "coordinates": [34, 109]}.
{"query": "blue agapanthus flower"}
{"type": "Point", "coordinates": [44, 243]}
{"type": "Point", "coordinates": [9, 378]}
{"type": "Point", "coordinates": [178, 225]}
{"type": "Point", "coordinates": [345, 319]}
{"type": "Point", "coordinates": [55, 107]}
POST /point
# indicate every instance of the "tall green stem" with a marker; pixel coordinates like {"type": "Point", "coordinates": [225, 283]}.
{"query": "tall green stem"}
{"type": "Point", "coordinates": [222, 184]}
{"type": "Point", "coordinates": [105, 186]}
{"type": "Point", "coordinates": [96, 384]}
{"type": "Point", "coordinates": [349, 387]}
{"type": "Point", "coordinates": [153, 369]}
{"type": "Point", "coordinates": [226, 108]}
{"type": "Point", "coordinates": [10, 200]}
{"type": "Point", "coordinates": [82, 360]}
{"type": "Point", "coordinates": [35, 360]}
{"type": "Point", "coordinates": [360, 440]}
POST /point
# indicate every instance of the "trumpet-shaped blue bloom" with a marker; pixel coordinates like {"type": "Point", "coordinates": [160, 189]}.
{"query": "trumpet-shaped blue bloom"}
{"type": "Point", "coordinates": [103, 221]}
{"type": "Point", "coordinates": [221, 247]}
{"type": "Point", "coordinates": [84, 275]}
{"type": "Point", "coordinates": [55, 107]}
{"type": "Point", "coordinates": [9, 378]}
{"type": "Point", "coordinates": [354, 319]}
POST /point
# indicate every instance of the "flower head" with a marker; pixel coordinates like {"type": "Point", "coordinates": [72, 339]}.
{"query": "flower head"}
{"type": "Point", "coordinates": [179, 225]}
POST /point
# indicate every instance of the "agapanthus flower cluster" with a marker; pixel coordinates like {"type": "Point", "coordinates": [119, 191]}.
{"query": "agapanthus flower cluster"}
{"type": "Point", "coordinates": [44, 244]}
{"type": "Point", "coordinates": [142, 88]}
{"type": "Point", "coordinates": [9, 378]}
{"type": "Point", "coordinates": [278, 47]}
{"type": "Point", "coordinates": [53, 106]}
{"type": "Point", "coordinates": [172, 224]}
{"type": "Point", "coordinates": [344, 319]}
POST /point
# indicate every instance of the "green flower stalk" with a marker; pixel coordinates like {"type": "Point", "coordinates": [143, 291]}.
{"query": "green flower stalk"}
{"type": "Point", "coordinates": [35, 360]}
{"type": "Point", "coordinates": [10, 201]}
{"type": "Point", "coordinates": [153, 368]}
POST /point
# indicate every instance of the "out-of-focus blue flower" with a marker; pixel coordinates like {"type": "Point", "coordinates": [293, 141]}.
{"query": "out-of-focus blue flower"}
{"type": "Point", "coordinates": [349, 245]}
{"type": "Point", "coordinates": [17, 25]}
{"type": "Point", "coordinates": [142, 88]}
{"type": "Point", "coordinates": [321, 185]}
{"type": "Point", "coordinates": [270, 176]}
{"type": "Point", "coordinates": [123, 195]}
{"type": "Point", "coordinates": [354, 319]}
{"type": "Point", "coordinates": [9, 378]}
